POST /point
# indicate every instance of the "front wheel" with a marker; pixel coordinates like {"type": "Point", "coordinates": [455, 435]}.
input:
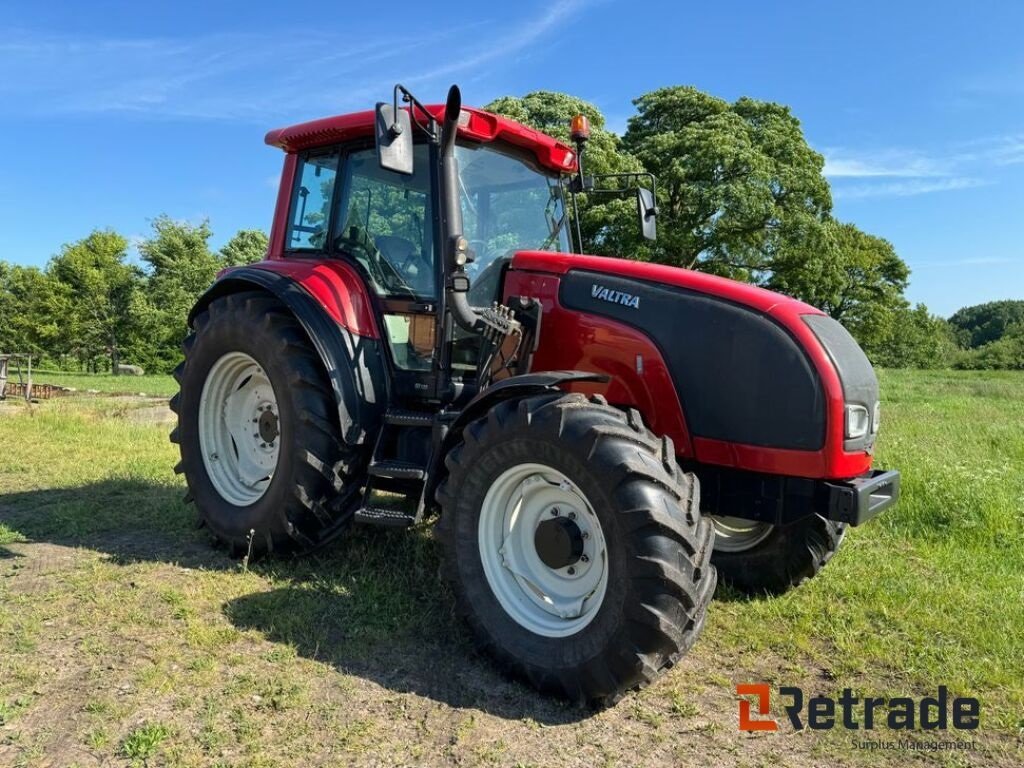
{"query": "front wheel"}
{"type": "Point", "coordinates": [756, 557]}
{"type": "Point", "coordinates": [574, 545]}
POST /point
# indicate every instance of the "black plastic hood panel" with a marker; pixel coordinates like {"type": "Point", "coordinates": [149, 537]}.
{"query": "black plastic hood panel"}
{"type": "Point", "coordinates": [741, 377]}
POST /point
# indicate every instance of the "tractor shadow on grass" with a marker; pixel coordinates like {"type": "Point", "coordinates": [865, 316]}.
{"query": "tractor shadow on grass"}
{"type": "Point", "coordinates": [375, 607]}
{"type": "Point", "coordinates": [128, 520]}
{"type": "Point", "coordinates": [372, 605]}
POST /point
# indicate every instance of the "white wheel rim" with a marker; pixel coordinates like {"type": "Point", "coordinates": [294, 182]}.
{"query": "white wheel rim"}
{"type": "Point", "coordinates": [239, 429]}
{"type": "Point", "coordinates": [735, 534]}
{"type": "Point", "coordinates": [553, 602]}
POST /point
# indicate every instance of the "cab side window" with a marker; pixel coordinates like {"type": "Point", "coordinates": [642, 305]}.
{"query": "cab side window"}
{"type": "Point", "coordinates": [384, 222]}
{"type": "Point", "coordinates": [311, 202]}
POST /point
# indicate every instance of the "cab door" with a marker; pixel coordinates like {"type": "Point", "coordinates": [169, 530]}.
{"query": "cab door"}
{"type": "Point", "coordinates": [384, 221]}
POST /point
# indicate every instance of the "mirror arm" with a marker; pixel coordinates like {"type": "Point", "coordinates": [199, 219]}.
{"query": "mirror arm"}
{"type": "Point", "coordinates": [414, 105]}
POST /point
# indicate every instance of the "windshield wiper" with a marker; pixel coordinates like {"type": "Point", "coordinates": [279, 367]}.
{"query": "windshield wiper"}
{"type": "Point", "coordinates": [555, 227]}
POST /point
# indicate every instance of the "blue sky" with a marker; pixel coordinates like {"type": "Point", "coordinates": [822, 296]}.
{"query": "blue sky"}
{"type": "Point", "coordinates": [110, 117]}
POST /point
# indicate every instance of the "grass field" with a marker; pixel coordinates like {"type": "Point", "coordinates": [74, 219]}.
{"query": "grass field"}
{"type": "Point", "coordinates": [155, 384]}
{"type": "Point", "coordinates": [126, 639]}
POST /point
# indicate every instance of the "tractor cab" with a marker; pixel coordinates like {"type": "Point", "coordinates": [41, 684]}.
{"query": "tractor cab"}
{"type": "Point", "coordinates": [351, 201]}
{"type": "Point", "coordinates": [431, 214]}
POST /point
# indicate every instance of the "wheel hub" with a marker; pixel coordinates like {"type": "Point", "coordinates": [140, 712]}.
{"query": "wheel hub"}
{"type": "Point", "coordinates": [267, 421]}
{"type": "Point", "coordinates": [543, 550]}
{"type": "Point", "coordinates": [559, 542]}
{"type": "Point", "coordinates": [239, 428]}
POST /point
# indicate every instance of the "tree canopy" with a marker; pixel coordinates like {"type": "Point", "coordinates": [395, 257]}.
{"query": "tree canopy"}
{"type": "Point", "coordinates": [739, 188]}
{"type": "Point", "coordinates": [985, 323]}
{"type": "Point", "coordinates": [608, 224]}
{"type": "Point", "coordinates": [106, 290]}
{"type": "Point", "coordinates": [94, 305]}
{"type": "Point", "coordinates": [246, 247]}
{"type": "Point", "coordinates": [741, 194]}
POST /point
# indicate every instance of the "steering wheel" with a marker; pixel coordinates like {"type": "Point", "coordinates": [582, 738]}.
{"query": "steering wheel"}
{"type": "Point", "coordinates": [382, 270]}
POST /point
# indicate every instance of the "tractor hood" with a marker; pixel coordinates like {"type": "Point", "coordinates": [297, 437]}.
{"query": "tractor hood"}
{"type": "Point", "coordinates": [700, 282]}
{"type": "Point", "coordinates": [750, 366]}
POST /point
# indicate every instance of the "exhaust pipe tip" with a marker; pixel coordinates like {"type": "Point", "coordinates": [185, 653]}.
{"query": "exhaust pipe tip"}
{"type": "Point", "coordinates": [453, 105]}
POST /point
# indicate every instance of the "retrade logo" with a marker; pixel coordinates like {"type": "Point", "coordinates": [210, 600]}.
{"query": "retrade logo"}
{"type": "Point", "coordinates": [823, 713]}
{"type": "Point", "coordinates": [747, 723]}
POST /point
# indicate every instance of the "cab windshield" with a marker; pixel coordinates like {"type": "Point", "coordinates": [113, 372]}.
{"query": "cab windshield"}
{"type": "Point", "coordinates": [509, 204]}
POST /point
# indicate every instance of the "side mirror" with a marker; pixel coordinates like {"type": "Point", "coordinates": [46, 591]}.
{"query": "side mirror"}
{"type": "Point", "coordinates": [647, 211]}
{"type": "Point", "coordinates": [393, 132]}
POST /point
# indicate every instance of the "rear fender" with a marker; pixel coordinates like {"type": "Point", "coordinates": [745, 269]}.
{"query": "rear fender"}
{"type": "Point", "coordinates": [353, 362]}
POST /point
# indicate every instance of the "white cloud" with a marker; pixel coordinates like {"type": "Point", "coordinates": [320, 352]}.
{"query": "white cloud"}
{"type": "Point", "coordinates": [880, 165]}
{"type": "Point", "coordinates": [507, 45]}
{"type": "Point", "coordinates": [245, 76]}
{"type": "Point", "coordinates": [978, 261]}
{"type": "Point", "coordinates": [901, 172]}
{"type": "Point", "coordinates": [907, 188]}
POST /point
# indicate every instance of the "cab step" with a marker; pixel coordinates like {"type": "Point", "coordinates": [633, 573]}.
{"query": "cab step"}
{"type": "Point", "coordinates": [398, 417]}
{"type": "Point", "coordinates": [392, 469]}
{"type": "Point", "coordinates": [386, 518]}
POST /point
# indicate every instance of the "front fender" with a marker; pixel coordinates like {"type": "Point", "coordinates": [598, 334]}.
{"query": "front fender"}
{"type": "Point", "coordinates": [506, 389]}
{"type": "Point", "coordinates": [353, 362]}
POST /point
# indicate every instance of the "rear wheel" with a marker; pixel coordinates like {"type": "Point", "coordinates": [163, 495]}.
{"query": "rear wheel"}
{"type": "Point", "coordinates": [756, 557]}
{"type": "Point", "coordinates": [257, 428]}
{"type": "Point", "coordinates": [574, 545]}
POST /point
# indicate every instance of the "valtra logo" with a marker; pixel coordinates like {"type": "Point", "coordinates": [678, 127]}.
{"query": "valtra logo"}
{"type": "Point", "coordinates": [614, 297]}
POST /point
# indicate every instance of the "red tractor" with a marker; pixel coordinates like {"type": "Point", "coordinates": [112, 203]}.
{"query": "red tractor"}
{"type": "Point", "coordinates": [597, 436]}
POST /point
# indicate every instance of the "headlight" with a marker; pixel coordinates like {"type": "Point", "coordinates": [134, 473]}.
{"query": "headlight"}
{"type": "Point", "coordinates": [858, 421]}
{"type": "Point", "coordinates": [877, 418]}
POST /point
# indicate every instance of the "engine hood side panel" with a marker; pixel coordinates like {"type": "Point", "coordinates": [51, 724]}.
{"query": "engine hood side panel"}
{"type": "Point", "coordinates": [734, 374]}
{"type": "Point", "coordinates": [741, 378]}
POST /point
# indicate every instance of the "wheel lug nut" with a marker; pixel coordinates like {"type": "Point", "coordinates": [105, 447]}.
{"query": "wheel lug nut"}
{"type": "Point", "coordinates": [572, 571]}
{"type": "Point", "coordinates": [585, 535]}
{"type": "Point", "coordinates": [584, 559]}
{"type": "Point", "coordinates": [572, 515]}
{"type": "Point", "coordinates": [555, 511]}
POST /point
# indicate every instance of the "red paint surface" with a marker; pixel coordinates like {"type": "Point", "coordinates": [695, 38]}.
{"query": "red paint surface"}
{"type": "Point", "coordinates": [333, 283]}
{"type": "Point", "coordinates": [575, 340]}
{"type": "Point", "coordinates": [476, 125]}
{"type": "Point", "coordinates": [279, 228]}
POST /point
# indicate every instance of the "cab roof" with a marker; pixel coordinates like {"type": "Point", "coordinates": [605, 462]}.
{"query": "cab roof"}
{"type": "Point", "coordinates": [474, 124]}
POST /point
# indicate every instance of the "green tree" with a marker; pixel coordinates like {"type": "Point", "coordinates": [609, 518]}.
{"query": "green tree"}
{"type": "Point", "coordinates": [182, 267]}
{"type": "Point", "coordinates": [905, 337]}
{"type": "Point", "coordinates": [103, 290]}
{"type": "Point", "coordinates": [741, 194]}
{"type": "Point", "coordinates": [984, 323]}
{"type": "Point", "coordinates": [34, 308]}
{"type": "Point", "coordinates": [1005, 353]}
{"type": "Point", "coordinates": [247, 246]}
{"type": "Point", "coordinates": [608, 224]}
